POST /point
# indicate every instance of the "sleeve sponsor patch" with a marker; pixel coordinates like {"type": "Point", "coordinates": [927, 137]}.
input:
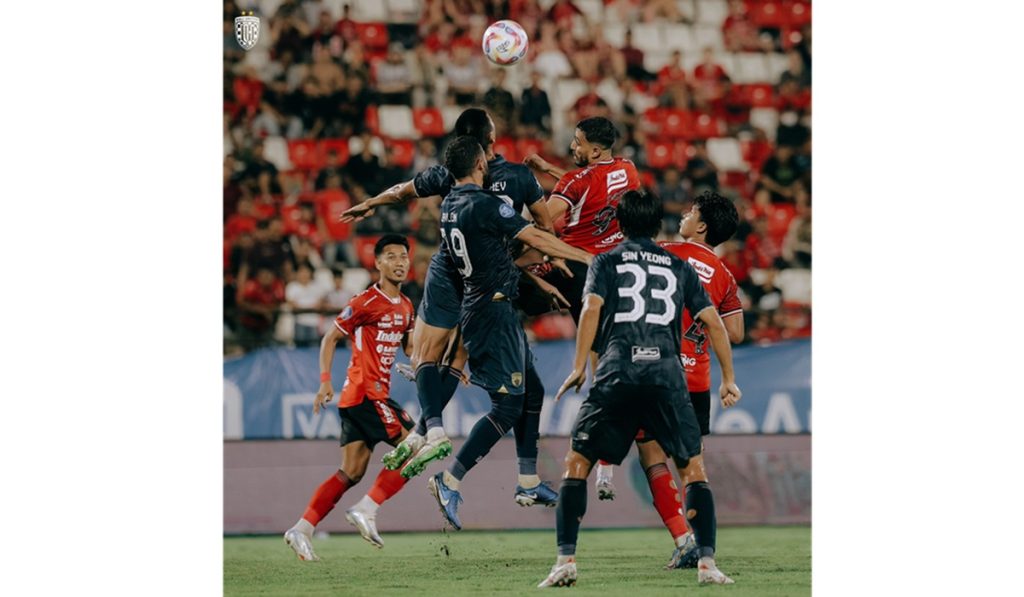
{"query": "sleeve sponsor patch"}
{"type": "Point", "coordinates": [346, 313]}
{"type": "Point", "coordinates": [506, 211]}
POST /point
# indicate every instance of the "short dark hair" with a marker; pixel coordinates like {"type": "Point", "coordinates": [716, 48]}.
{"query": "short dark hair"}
{"type": "Point", "coordinates": [599, 131]}
{"type": "Point", "coordinates": [639, 214]}
{"type": "Point", "coordinates": [719, 215]}
{"type": "Point", "coordinates": [475, 123]}
{"type": "Point", "coordinates": [389, 239]}
{"type": "Point", "coordinates": [461, 155]}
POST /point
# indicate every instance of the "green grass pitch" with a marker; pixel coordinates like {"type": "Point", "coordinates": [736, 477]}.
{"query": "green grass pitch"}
{"type": "Point", "coordinates": [764, 561]}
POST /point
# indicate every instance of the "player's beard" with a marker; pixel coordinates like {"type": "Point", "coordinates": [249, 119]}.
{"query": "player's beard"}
{"type": "Point", "coordinates": [580, 162]}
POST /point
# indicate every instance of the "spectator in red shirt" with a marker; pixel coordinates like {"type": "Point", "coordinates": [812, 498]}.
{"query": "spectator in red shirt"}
{"type": "Point", "coordinates": [588, 105]}
{"type": "Point", "coordinates": [673, 73]}
{"type": "Point", "coordinates": [346, 27]}
{"type": "Point", "coordinates": [331, 202]}
{"type": "Point", "coordinates": [739, 31]}
{"type": "Point", "coordinates": [709, 78]}
{"type": "Point", "coordinates": [258, 306]}
{"type": "Point", "coordinates": [562, 13]}
{"type": "Point", "coordinates": [239, 222]}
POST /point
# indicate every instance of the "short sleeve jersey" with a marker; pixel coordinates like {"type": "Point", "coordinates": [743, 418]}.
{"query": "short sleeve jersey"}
{"type": "Point", "coordinates": [593, 193]}
{"type": "Point", "coordinates": [724, 294]}
{"type": "Point", "coordinates": [477, 226]}
{"type": "Point", "coordinates": [376, 323]}
{"type": "Point", "coordinates": [645, 291]}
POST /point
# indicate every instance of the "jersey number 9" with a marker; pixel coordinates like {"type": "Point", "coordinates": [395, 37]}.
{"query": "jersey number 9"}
{"type": "Point", "coordinates": [458, 248]}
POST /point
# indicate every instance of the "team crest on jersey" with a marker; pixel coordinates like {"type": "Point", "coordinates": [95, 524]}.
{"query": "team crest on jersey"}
{"type": "Point", "coordinates": [704, 271]}
{"type": "Point", "coordinates": [247, 30]}
{"type": "Point", "coordinates": [506, 211]}
{"type": "Point", "coordinates": [617, 179]}
{"type": "Point", "coordinates": [346, 313]}
{"type": "Point", "coordinates": [517, 379]}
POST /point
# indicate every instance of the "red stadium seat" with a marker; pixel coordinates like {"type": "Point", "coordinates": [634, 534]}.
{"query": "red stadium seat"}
{"type": "Point", "coordinates": [403, 152]}
{"type": "Point", "coordinates": [761, 95]}
{"type": "Point", "coordinates": [506, 146]}
{"type": "Point", "coordinates": [706, 126]}
{"type": "Point", "coordinates": [735, 180]}
{"type": "Point", "coordinates": [372, 121]}
{"type": "Point", "coordinates": [647, 179]}
{"type": "Point", "coordinates": [678, 124]}
{"type": "Point", "coordinates": [373, 35]}
{"type": "Point", "coordinates": [768, 13]}
{"type": "Point", "coordinates": [755, 152]}
{"type": "Point", "coordinates": [659, 154]}
{"type": "Point", "coordinates": [654, 118]}
{"type": "Point", "coordinates": [338, 145]}
{"type": "Point", "coordinates": [797, 14]}
{"type": "Point", "coordinates": [428, 121]}
{"type": "Point", "coordinates": [528, 146]}
{"type": "Point", "coordinates": [682, 152]}
{"type": "Point", "coordinates": [364, 250]}
{"type": "Point", "coordinates": [305, 154]}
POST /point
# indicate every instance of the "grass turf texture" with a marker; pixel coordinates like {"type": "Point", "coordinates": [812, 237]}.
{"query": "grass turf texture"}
{"type": "Point", "coordinates": [764, 561]}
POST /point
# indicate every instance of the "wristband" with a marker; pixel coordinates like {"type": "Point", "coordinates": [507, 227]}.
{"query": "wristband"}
{"type": "Point", "coordinates": [325, 376]}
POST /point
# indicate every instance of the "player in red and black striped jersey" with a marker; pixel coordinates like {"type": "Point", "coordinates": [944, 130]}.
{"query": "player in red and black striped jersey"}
{"type": "Point", "coordinates": [379, 322]}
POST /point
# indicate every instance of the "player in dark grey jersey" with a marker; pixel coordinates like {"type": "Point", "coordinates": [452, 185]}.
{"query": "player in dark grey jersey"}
{"type": "Point", "coordinates": [634, 299]}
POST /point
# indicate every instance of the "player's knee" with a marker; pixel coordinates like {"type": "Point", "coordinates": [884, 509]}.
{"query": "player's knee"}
{"type": "Point", "coordinates": [534, 394]}
{"type": "Point", "coordinates": [576, 465]}
{"type": "Point", "coordinates": [694, 471]}
{"type": "Point", "coordinates": [506, 411]}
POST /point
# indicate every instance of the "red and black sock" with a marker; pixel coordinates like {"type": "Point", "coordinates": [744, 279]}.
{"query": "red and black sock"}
{"type": "Point", "coordinates": [666, 499]}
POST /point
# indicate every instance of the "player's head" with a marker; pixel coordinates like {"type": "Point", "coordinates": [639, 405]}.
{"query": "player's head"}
{"type": "Point", "coordinates": [476, 123]}
{"type": "Point", "coordinates": [465, 159]}
{"type": "Point", "coordinates": [639, 214]}
{"type": "Point", "coordinates": [391, 255]}
{"type": "Point", "coordinates": [713, 219]}
{"type": "Point", "coordinates": [592, 141]}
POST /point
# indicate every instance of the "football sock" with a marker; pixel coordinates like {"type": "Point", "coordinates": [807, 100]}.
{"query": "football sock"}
{"type": "Point", "coordinates": [528, 481]}
{"type": "Point", "coordinates": [367, 504]}
{"type": "Point", "coordinates": [604, 471]}
{"type": "Point", "coordinates": [505, 410]}
{"type": "Point", "coordinates": [428, 386]}
{"type": "Point", "coordinates": [451, 480]}
{"type": "Point", "coordinates": [304, 527]}
{"type": "Point", "coordinates": [449, 383]}
{"type": "Point", "coordinates": [666, 499]}
{"type": "Point", "coordinates": [386, 485]}
{"type": "Point", "coordinates": [572, 505]}
{"type": "Point", "coordinates": [700, 514]}
{"type": "Point", "coordinates": [527, 427]}
{"type": "Point", "coordinates": [326, 496]}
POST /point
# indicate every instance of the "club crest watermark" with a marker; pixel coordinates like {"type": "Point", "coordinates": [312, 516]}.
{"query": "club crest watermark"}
{"type": "Point", "coordinates": [247, 30]}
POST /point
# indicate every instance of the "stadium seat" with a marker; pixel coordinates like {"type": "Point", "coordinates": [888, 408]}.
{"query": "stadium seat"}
{"type": "Point", "coordinates": [767, 13]}
{"type": "Point", "coordinates": [592, 9]}
{"type": "Point", "coordinates": [403, 152]}
{"type": "Point", "coordinates": [766, 119]}
{"type": "Point", "coordinates": [647, 179]}
{"type": "Point", "coordinates": [749, 67]}
{"type": "Point", "coordinates": [647, 37]}
{"type": "Point", "coordinates": [778, 63]}
{"type": "Point", "coordinates": [797, 14]}
{"type": "Point", "coordinates": [339, 145]}
{"type": "Point", "coordinates": [373, 35]}
{"type": "Point", "coordinates": [355, 145]}
{"type": "Point", "coordinates": [680, 37]}
{"type": "Point", "coordinates": [761, 95]}
{"type": "Point", "coordinates": [275, 149]}
{"type": "Point", "coordinates": [372, 119]}
{"type": "Point", "coordinates": [428, 121]}
{"type": "Point", "coordinates": [615, 32]}
{"type": "Point", "coordinates": [364, 251]}
{"type": "Point", "coordinates": [678, 124]}
{"type": "Point", "coordinates": [268, 7]}
{"type": "Point", "coordinates": [528, 146]}
{"type": "Point", "coordinates": [356, 279]}
{"type": "Point", "coordinates": [712, 12]}
{"type": "Point", "coordinates": [396, 122]}
{"type": "Point", "coordinates": [653, 61]}
{"type": "Point", "coordinates": [305, 154]}
{"type": "Point", "coordinates": [710, 36]}
{"type": "Point", "coordinates": [755, 152]}
{"type": "Point", "coordinates": [706, 126]}
{"type": "Point", "coordinates": [737, 180]}
{"type": "Point", "coordinates": [659, 154]}
{"type": "Point", "coordinates": [795, 284]}
{"type": "Point", "coordinates": [449, 115]}
{"type": "Point", "coordinates": [687, 8]}
{"type": "Point", "coordinates": [725, 154]}
{"type": "Point", "coordinates": [567, 91]}
{"type": "Point", "coordinates": [403, 7]}
{"type": "Point", "coordinates": [372, 11]}
{"type": "Point", "coordinates": [506, 146]}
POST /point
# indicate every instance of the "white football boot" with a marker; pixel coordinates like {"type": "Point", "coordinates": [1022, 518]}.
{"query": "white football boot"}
{"type": "Point", "coordinates": [709, 574]}
{"type": "Point", "coordinates": [562, 575]}
{"type": "Point", "coordinates": [366, 524]}
{"type": "Point", "coordinates": [301, 544]}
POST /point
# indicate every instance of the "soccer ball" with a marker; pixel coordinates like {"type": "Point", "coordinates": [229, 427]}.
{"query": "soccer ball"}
{"type": "Point", "coordinates": [505, 43]}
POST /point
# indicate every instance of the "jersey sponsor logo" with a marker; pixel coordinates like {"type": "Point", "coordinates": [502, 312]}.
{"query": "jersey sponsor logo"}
{"type": "Point", "coordinates": [611, 240]}
{"type": "Point", "coordinates": [704, 271]}
{"type": "Point", "coordinates": [388, 336]}
{"type": "Point", "coordinates": [617, 179]}
{"type": "Point", "coordinates": [506, 211]}
{"type": "Point", "coordinates": [386, 412]}
{"type": "Point", "coordinates": [687, 361]}
{"type": "Point", "coordinates": [398, 319]}
{"type": "Point", "coordinates": [646, 353]}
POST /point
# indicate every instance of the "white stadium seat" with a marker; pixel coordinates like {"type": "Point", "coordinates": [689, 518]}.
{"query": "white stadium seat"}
{"type": "Point", "coordinates": [334, 7]}
{"type": "Point", "coordinates": [710, 36]}
{"type": "Point", "coordinates": [680, 37]}
{"type": "Point", "coordinates": [369, 11]}
{"type": "Point", "coordinates": [355, 145]}
{"type": "Point", "coordinates": [766, 119]}
{"type": "Point", "coordinates": [687, 8]}
{"type": "Point", "coordinates": [275, 149]}
{"type": "Point", "coordinates": [750, 67]}
{"type": "Point", "coordinates": [396, 122]}
{"type": "Point", "coordinates": [712, 12]}
{"type": "Point", "coordinates": [726, 155]}
{"type": "Point", "coordinates": [450, 114]}
{"type": "Point", "coordinates": [267, 8]}
{"type": "Point", "coordinates": [795, 284]}
{"type": "Point", "coordinates": [647, 37]}
{"type": "Point", "coordinates": [592, 9]}
{"type": "Point", "coordinates": [355, 280]}
{"type": "Point", "coordinates": [615, 33]}
{"type": "Point", "coordinates": [653, 61]}
{"type": "Point", "coordinates": [777, 64]}
{"type": "Point", "coordinates": [567, 91]}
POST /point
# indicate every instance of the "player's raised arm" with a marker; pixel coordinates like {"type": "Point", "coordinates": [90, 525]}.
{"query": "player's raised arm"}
{"type": "Point", "coordinates": [585, 334]}
{"type": "Point", "coordinates": [715, 329]}
{"type": "Point", "coordinates": [535, 162]}
{"type": "Point", "coordinates": [547, 243]}
{"type": "Point", "coordinates": [400, 193]}
{"type": "Point", "coordinates": [326, 392]}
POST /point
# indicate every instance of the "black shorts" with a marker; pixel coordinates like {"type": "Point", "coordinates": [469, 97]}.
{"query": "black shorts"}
{"type": "Point", "coordinates": [611, 416]}
{"type": "Point", "coordinates": [441, 303]}
{"type": "Point", "coordinates": [373, 421]}
{"type": "Point", "coordinates": [702, 406]}
{"type": "Point", "coordinates": [494, 339]}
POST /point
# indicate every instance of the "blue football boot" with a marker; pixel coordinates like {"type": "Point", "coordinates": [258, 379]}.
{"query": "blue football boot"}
{"type": "Point", "coordinates": [448, 500]}
{"type": "Point", "coordinates": [541, 495]}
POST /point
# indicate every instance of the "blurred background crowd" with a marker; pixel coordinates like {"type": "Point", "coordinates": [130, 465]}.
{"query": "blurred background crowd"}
{"type": "Point", "coordinates": [340, 99]}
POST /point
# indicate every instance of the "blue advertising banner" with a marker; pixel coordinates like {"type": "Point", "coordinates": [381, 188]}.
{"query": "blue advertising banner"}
{"type": "Point", "coordinates": [269, 393]}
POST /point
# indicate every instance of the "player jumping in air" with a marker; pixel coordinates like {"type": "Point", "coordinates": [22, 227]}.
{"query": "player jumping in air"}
{"type": "Point", "coordinates": [635, 296]}
{"type": "Point", "coordinates": [439, 316]}
{"type": "Point", "coordinates": [477, 228]}
{"type": "Point", "coordinates": [378, 321]}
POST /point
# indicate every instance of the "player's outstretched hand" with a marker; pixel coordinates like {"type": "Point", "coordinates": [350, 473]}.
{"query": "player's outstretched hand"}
{"type": "Point", "coordinates": [324, 395]}
{"type": "Point", "coordinates": [575, 380]}
{"type": "Point", "coordinates": [557, 300]}
{"type": "Point", "coordinates": [356, 213]}
{"type": "Point", "coordinates": [559, 264]}
{"type": "Point", "coordinates": [730, 394]}
{"type": "Point", "coordinates": [536, 162]}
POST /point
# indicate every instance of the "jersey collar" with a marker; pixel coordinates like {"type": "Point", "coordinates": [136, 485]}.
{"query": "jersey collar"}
{"type": "Point", "coordinates": [394, 301]}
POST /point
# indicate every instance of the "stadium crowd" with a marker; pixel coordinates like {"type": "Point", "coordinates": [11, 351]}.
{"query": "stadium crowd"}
{"type": "Point", "coordinates": [342, 99]}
